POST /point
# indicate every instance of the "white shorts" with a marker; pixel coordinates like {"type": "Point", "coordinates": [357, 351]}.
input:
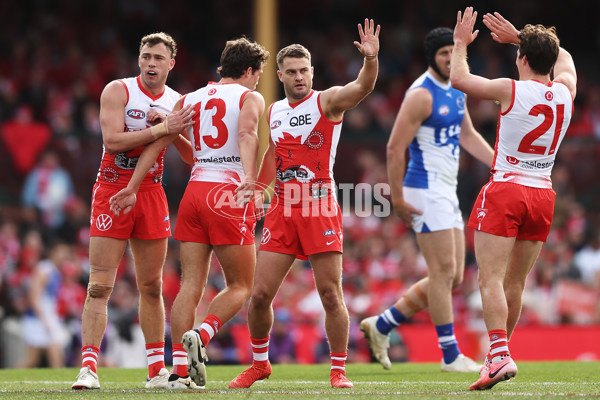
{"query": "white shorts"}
{"type": "Point", "coordinates": [439, 206]}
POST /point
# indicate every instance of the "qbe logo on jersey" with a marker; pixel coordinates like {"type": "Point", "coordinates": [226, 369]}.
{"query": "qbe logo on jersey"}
{"type": "Point", "coordinates": [104, 222]}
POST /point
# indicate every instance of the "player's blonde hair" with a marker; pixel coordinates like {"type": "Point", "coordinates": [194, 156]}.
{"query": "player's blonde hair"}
{"type": "Point", "coordinates": [293, 51]}
{"type": "Point", "coordinates": [160, 37]}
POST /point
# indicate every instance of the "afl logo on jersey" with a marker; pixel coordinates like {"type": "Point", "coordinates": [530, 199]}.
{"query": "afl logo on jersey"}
{"type": "Point", "coordinates": [136, 114]}
{"type": "Point", "coordinates": [549, 95]}
{"type": "Point", "coordinates": [276, 124]}
{"type": "Point", "coordinates": [212, 91]}
{"type": "Point", "coordinates": [444, 110]}
{"type": "Point", "coordinates": [512, 160]}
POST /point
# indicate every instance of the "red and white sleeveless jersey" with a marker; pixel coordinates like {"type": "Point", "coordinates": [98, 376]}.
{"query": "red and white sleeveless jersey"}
{"type": "Point", "coordinates": [305, 146]}
{"type": "Point", "coordinates": [118, 168]}
{"type": "Point", "coordinates": [214, 135]}
{"type": "Point", "coordinates": [530, 132]}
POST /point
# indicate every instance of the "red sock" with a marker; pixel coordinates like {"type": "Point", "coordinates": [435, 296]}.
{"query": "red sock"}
{"type": "Point", "coordinates": [155, 353]}
{"type": "Point", "coordinates": [209, 328]}
{"type": "Point", "coordinates": [260, 352]}
{"type": "Point", "coordinates": [498, 345]}
{"type": "Point", "coordinates": [179, 360]}
{"type": "Point", "coordinates": [338, 361]}
{"type": "Point", "coordinates": [89, 357]}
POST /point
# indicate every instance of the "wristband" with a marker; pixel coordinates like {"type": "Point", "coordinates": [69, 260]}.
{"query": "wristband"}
{"type": "Point", "coordinates": [160, 130]}
{"type": "Point", "coordinates": [370, 57]}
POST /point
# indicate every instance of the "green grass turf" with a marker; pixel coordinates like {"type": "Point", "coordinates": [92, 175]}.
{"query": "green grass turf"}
{"type": "Point", "coordinates": [535, 380]}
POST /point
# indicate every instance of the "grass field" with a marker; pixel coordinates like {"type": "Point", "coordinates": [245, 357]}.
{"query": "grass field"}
{"type": "Point", "coordinates": [536, 380]}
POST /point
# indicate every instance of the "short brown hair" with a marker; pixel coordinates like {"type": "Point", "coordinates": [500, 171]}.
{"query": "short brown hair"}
{"type": "Point", "coordinates": [160, 37]}
{"type": "Point", "coordinates": [239, 55]}
{"type": "Point", "coordinates": [541, 46]}
{"type": "Point", "coordinates": [293, 51]}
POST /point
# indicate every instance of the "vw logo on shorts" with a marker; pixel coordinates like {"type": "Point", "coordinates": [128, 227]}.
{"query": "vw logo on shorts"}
{"type": "Point", "coordinates": [104, 222]}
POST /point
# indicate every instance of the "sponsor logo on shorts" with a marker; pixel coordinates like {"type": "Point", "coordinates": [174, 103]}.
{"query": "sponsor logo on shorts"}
{"type": "Point", "coordinates": [329, 233]}
{"type": "Point", "coordinates": [481, 213]}
{"type": "Point", "coordinates": [266, 236]}
{"type": "Point", "coordinates": [104, 222]}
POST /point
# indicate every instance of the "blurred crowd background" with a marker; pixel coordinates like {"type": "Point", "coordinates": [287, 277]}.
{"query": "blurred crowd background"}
{"type": "Point", "coordinates": [59, 54]}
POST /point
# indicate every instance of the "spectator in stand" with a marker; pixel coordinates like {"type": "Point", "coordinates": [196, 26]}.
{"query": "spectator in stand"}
{"type": "Point", "coordinates": [587, 260]}
{"type": "Point", "coordinates": [47, 191]}
{"type": "Point", "coordinates": [23, 129]}
{"type": "Point", "coordinates": [43, 331]}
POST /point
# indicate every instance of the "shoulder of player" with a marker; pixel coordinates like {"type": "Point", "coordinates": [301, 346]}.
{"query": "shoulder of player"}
{"type": "Point", "coordinates": [419, 95]}
{"type": "Point", "coordinates": [114, 91]}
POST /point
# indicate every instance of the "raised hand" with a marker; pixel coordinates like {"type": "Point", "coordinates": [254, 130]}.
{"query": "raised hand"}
{"type": "Point", "coordinates": [179, 120]}
{"type": "Point", "coordinates": [463, 31]}
{"type": "Point", "coordinates": [123, 201]}
{"type": "Point", "coordinates": [369, 39]}
{"type": "Point", "coordinates": [502, 31]}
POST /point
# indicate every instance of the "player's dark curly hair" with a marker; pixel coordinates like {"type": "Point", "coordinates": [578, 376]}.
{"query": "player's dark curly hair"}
{"type": "Point", "coordinates": [541, 46]}
{"type": "Point", "coordinates": [239, 55]}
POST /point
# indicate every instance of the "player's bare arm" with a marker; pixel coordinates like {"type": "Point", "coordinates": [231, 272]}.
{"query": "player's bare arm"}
{"type": "Point", "coordinates": [415, 109]}
{"type": "Point", "coordinates": [338, 99]}
{"type": "Point", "coordinates": [251, 112]}
{"type": "Point", "coordinates": [125, 199]}
{"type": "Point", "coordinates": [182, 141]}
{"type": "Point", "coordinates": [460, 76]}
{"type": "Point", "coordinates": [112, 121]}
{"type": "Point", "coordinates": [473, 142]}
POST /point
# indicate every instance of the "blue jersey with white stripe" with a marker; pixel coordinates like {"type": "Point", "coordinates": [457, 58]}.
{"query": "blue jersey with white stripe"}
{"type": "Point", "coordinates": [435, 149]}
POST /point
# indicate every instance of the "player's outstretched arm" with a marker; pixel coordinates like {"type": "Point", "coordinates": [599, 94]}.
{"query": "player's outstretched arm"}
{"type": "Point", "coordinates": [338, 99]}
{"type": "Point", "coordinates": [460, 76]}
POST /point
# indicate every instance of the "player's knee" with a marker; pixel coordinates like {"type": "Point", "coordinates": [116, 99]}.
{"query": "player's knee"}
{"type": "Point", "coordinates": [260, 299]}
{"type": "Point", "coordinates": [513, 292]}
{"type": "Point", "coordinates": [457, 281]}
{"type": "Point", "coordinates": [332, 299]}
{"type": "Point", "coordinates": [98, 291]}
{"type": "Point", "coordinates": [150, 288]}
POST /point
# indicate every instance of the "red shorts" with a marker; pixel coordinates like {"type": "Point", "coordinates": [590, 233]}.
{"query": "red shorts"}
{"type": "Point", "coordinates": [300, 231]}
{"type": "Point", "coordinates": [208, 214]}
{"type": "Point", "coordinates": [149, 218]}
{"type": "Point", "coordinates": [509, 209]}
